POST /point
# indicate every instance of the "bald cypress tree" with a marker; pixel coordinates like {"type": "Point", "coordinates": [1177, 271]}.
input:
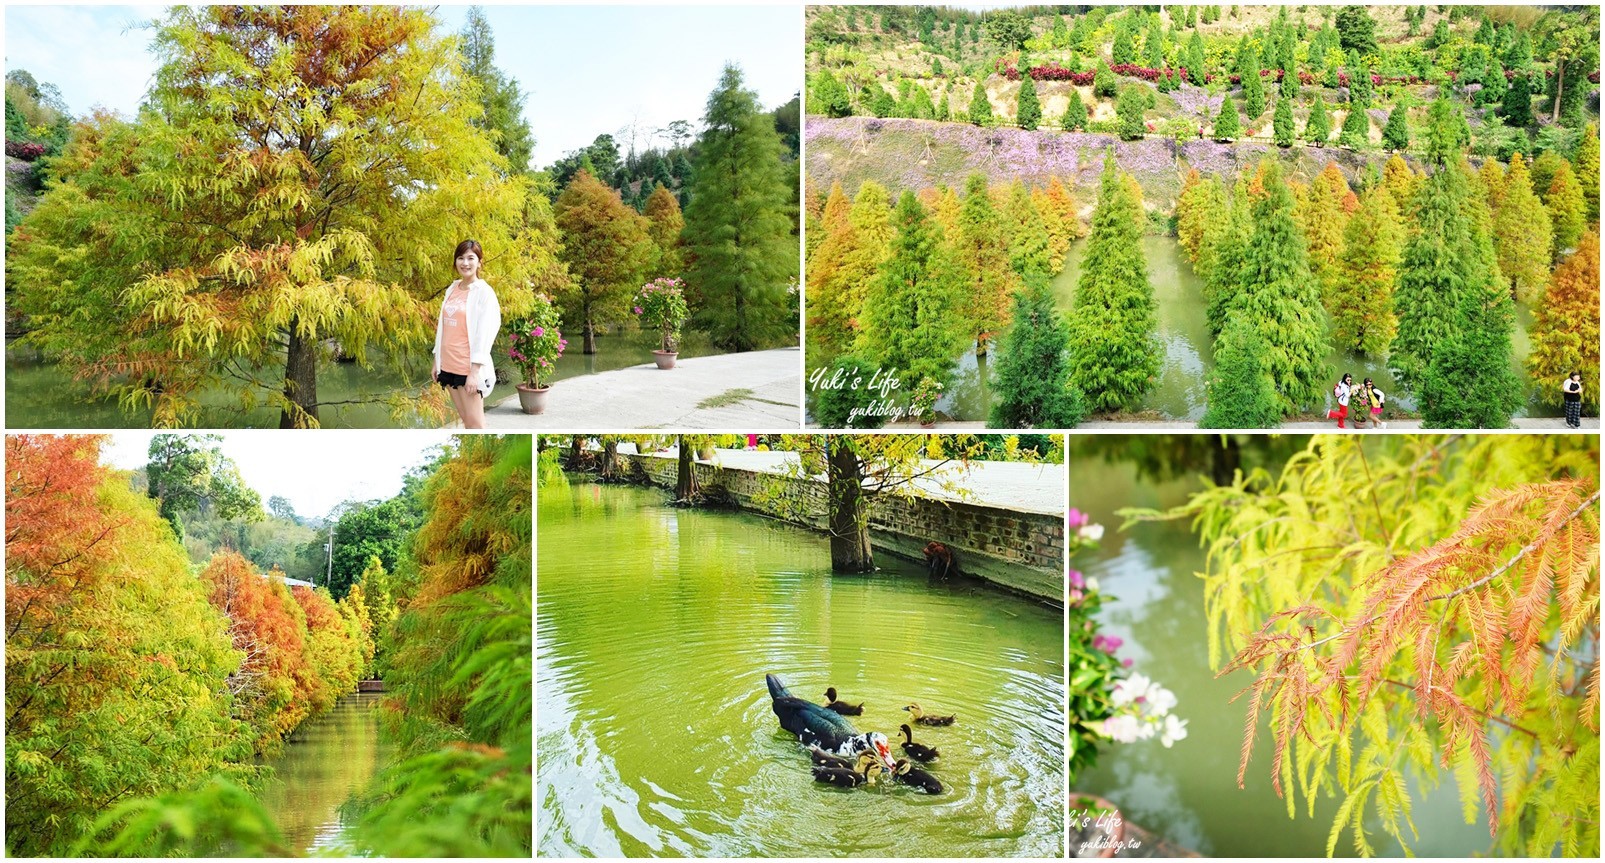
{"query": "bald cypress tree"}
{"type": "Point", "coordinates": [1522, 234]}
{"type": "Point", "coordinates": [1028, 110]}
{"type": "Point", "coordinates": [1241, 391]}
{"type": "Point", "coordinates": [1227, 243]}
{"type": "Point", "coordinates": [911, 321]}
{"type": "Point", "coordinates": [1031, 383]}
{"type": "Point", "coordinates": [983, 253]}
{"type": "Point", "coordinates": [1319, 128]}
{"type": "Point", "coordinates": [1281, 297]}
{"type": "Point", "coordinates": [739, 238]}
{"type": "Point", "coordinates": [1567, 209]}
{"type": "Point", "coordinates": [1362, 301]}
{"type": "Point", "coordinates": [1114, 352]}
{"type": "Point", "coordinates": [1028, 235]}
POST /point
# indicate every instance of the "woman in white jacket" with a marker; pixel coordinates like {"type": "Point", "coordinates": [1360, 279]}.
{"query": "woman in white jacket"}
{"type": "Point", "coordinates": [469, 319]}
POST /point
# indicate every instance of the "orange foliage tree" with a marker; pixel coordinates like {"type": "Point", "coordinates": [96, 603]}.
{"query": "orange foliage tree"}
{"type": "Point", "coordinates": [273, 686]}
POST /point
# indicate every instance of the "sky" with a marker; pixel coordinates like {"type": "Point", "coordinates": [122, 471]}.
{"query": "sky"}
{"type": "Point", "coordinates": [313, 470]}
{"type": "Point", "coordinates": [587, 70]}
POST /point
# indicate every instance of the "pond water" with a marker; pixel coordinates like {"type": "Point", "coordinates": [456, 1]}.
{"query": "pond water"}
{"type": "Point", "coordinates": [39, 394]}
{"type": "Point", "coordinates": [324, 762]}
{"type": "Point", "coordinates": [1189, 794]}
{"type": "Point", "coordinates": [1184, 334]}
{"type": "Point", "coordinates": [654, 629]}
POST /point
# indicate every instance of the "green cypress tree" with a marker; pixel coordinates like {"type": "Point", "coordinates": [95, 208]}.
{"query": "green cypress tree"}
{"type": "Point", "coordinates": [1075, 115]}
{"type": "Point", "coordinates": [1362, 301]}
{"type": "Point", "coordinates": [920, 106]}
{"type": "Point", "coordinates": [1153, 47]}
{"type": "Point", "coordinates": [911, 321]}
{"type": "Point", "coordinates": [1128, 108]}
{"type": "Point", "coordinates": [1319, 128]}
{"type": "Point", "coordinates": [499, 95]}
{"type": "Point", "coordinates": [1031, 381]}
{"type": "Point", "coordinates": [739, 236]}
{"type": "Point", "coordinates": [1227, 243]}
{"type": "Point", "coordinates": [1396, 133]}
{"type": "Point", "coordinates": [1028, 235]}
{"type": "Point", "coordinates": [1567, 209]}
{"type": "Point", "coordinates": [1588, 172]}
{"type": "Point", "coordinates": [1114, 352]}
{"type": "Point", "coordinates": [1253, 92]}
{"type": "Point", "coordinates": [1523, 236]}
{"type": "Point", "coordinates": [1288, 88]}
{"type": "Point", "coordinates": [940, 110]}
{"type": "Point", "coordinates": [983, 254]}
{"type": "Point", "coordinates": [980, 106]}
{"type": "Point", "coordinates": [1123, 51]}
{"type": "Point", "coordinates": [1518, 106]}
{"type": "Point", "coordinates": [1028, 111]}
{"type": "Point", "coordinates": [1356, 132]}
{"type": "Point", "coordinates": [1104, 83]}
{"type": "Point", "coordinates": [1282, 122]}
{"type": "Point", "coordinates": [882, 103]}
{"type": "Point", "coordinates": [1195, 59]}
{"type": "Point", "coordinates": [1469, 382]}
{"type": "Point", "coordinates": [1281, 297]}
{"type": "Point", "coordinates": [1226, 127]}
{"type": "Point", "coordinates": [828, 96]}
{"type": "Point", "coordinates": [1241, 392]}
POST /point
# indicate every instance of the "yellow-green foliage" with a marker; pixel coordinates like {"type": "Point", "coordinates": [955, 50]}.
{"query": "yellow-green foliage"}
{"type": "Point", "coordinates": [1419, 605]}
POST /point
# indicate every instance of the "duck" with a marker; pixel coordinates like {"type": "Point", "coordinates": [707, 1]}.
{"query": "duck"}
{"type": "Point", "coordinates": [842, 707]}
{"type": "Point", "coordinates": [908, 774]}
{"type": "Point", "coordinates": [921, 719]}
{"type": "Point", "coordinates": [864, 773]}
{"type": "Point", "coordinates": [818, 726]}
{"type": "Point", "coordinates": [821, 758]}
{"type": "Point", "coordinates": [915, 750]}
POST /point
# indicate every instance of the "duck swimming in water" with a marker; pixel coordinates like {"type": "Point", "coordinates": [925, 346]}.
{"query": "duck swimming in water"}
{"type": "Point", "coordinates": [817, 726]}
{"type": "Point", "coordinates": [842, 707]}
{"type": "Point", "coordinates": [821, 758]}
{"type": "Point", "coordinates": [908, 774]}
{"type": "Point", "coordinates": [867, 768]}
{"type": "Point", "coordinates": [921, 719]}
{"type": "Point", "coordinates": [915, 750]}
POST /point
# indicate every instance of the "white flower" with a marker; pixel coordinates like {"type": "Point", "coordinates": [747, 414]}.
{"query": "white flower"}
{"type": "Point", "coordinates": [1129, 690]}
{"type": "Point", "coordinates": [1175, 729]}
{"type": "Point", "coordinates": [1159, 700]}
{"type": "Point", "coordinates": [1092, 585]}
{"type": "Point", "coordinates": [1091, 532]}
{"type": "Point", "coordinates": [1122, 729]}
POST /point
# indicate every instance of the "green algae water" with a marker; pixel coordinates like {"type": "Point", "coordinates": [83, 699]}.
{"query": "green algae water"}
{"type": "Point", "coordinates": [1188, 354]}
{"type": "Point", "coordinates": [1188, 794]}
{"type": "Point", "coordinates": [654, 629]}
{"type": "Point", "coordinates": [324, 762]}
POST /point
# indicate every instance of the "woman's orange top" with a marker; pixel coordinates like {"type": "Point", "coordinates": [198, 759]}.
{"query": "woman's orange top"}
{"type": "Point", "coordinates": [454, 338]}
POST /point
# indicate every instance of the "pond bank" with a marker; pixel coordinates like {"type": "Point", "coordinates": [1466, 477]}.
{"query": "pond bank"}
{"type": "Point", "coordinates": [1010, 532]}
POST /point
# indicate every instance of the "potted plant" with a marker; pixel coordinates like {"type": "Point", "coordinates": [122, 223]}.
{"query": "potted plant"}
{"type": "Point", "coordinates": [923, 401]}
{"type": "Point", "coordinates": [661, 304]}
{"type": "Point", "coordinates": [535, 343]}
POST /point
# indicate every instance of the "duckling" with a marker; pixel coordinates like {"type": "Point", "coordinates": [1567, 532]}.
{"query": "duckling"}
{"type": "Point", "coordinates": [868, 767]}
{"type": "Point", "coordinates": [921, 719]}
{"type": "Point", "coordinates": [915, 750]}
{"type": "Point", "coordinates": [821, 758]}
{"type": "Point", "coordinates": [842, 707]}
{"type": "Point", "coordinates": [911, 775]}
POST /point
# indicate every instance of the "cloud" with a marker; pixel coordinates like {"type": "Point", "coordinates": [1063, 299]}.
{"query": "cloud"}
{"type": "Point", "coordinates": [96, 55]}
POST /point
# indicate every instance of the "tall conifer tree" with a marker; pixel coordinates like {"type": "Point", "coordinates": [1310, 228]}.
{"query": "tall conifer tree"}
{"type": "Point", "coordinates": [1114, 351]}
{"type": "Point", "coordinates": [911, 321]}
{"type": "Point", "coordinates": [1362, 302]}
{"type": "Point", "coordinates": [1031, 382]}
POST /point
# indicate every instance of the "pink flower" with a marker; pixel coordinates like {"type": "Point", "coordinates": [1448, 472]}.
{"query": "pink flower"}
{"type": "Point", "coordinates": [1076, 580]}
{"type": "Point", "coordinates": [638, 310]}
{"type": "Point", "coordinates": [1107, 643]}
{"type": "Point", "coordinates": [538, 332]}
{"type": "Point", "coordinates": [1077, 518]}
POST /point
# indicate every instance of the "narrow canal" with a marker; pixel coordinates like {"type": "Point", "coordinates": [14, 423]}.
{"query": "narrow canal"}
{"type": "Point", "coordinates": [654, 629]}
{"type": "Point", "coordinates": [324, 762]}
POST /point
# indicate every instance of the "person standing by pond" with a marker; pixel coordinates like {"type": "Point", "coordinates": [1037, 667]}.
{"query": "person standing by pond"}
{"type": "Point", "coordinates": [1378, 399]}
{"type": "Point", "coordinates": [1571, 390]}
{"type": "Point", "coordinates": [469, 320]}
{"type": "Point", "coordinates": [1341, 393]}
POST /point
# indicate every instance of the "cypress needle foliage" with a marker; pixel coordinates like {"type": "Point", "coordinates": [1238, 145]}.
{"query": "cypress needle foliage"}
{"type": "Point", "coordinates": [1075, 115]}
{"type": "Point", "coordinates": [1469, 382]}
{"type": "Point", "coordinates": [1518, 105]}
{"type": "Point", "coordinates": [983, 254]}
{"type": "Point", "coordinates": [828, 96]}
{"type": "Point", "coordinates": [980, 106]}
{"type": "Point", "coordinates": [1031, 381]}
{"type": "Point", "coordinates": [1567, 210]}
{"type": "Point", "coordinates": [1522, 234]}
{"type": "Point", "coordinates": [1123, 50]}
{"type": "Point", "coordinates": [1241, 391]}
{"type": "Point", "coordinates": [1028, 235]}
{"type": "Point", "coordinates": [1128, 108]}
{"type": "Point", "coordinates": [1322, 217]}
{"type": "Point", "coordinates": [848, 407]}
{"type": "Point", "coordinates": [1104, 83]}
{"type": "Point", "coordinates": [1226, 125]}
{"type": "Point", "coordinates": [1362, 301]}
{"type": "Point", "coordinates": [1114, 352]}
{"type": "Point", "coordinates": [1588, 172]}
{"type": "Point", "coordinates": [1253, 92]}
{"type": "Point", "coordinates": [499, 96]}
{"type": "Point", "coordinates": [1282, 122]}
{"type": "Point", "coordinates": [1227, 242]}
{"type": "Point", "coordinates": [911, 320]}
{"type": "Point", "coordinates": [740, 240]}
{"type": "Point", "coordinates": [1565, 331]}
{"type": "Point", "coordinates": [1396, 132]}
{"type": "Point", "coordinates": [1195, 59]}
{"type": "Point", "coordinates": [606, 248]}
{"type": "Point", "coordinates": [1319, 128]}
{"type": "Point", "coordinates": [1280, 296]}
{"type": "Point", "coordinates": [1028, 111]}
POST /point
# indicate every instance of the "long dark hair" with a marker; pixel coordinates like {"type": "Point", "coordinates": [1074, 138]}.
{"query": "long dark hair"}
{"type": "Point", "coordinates": [479, 252]}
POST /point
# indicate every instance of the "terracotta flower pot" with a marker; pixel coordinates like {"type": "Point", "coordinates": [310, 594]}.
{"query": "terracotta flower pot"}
{"type": "Point", "coordinates": [532, 399]}
{"type": "Point", "coordinates": [665, 359]}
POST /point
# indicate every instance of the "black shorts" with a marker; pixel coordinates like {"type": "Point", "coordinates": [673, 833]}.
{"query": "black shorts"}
{"type": "Point", "coordinates": [451, 380]}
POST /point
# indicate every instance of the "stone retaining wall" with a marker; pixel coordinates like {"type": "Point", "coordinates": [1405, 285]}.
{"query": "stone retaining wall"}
{"type": "Point", "coordinates": [1021, 551]}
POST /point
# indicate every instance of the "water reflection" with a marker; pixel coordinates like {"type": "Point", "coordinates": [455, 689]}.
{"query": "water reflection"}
{"type": "Point", "coordinates": [324, 762]}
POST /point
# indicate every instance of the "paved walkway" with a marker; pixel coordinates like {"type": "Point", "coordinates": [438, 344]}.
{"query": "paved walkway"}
{"type": "Point", "coordinates": [1018, 486]}
{"type": "Point", "coordinates": [1519, 423]}
{"type": "Point", "coordinates": [753, 391]}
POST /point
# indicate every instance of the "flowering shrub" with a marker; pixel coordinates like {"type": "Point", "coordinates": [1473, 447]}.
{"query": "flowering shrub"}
{"type": "Point", "coordinates": [923, 400]}
{"type": "Point", "coordinates": [24, 150]}
{"type": "Point", "coordinates": [536, 342]}
{"type": "Point", "coordinates": [661, 304]}
{"type": "Point", "coordinates": [1103, 705]}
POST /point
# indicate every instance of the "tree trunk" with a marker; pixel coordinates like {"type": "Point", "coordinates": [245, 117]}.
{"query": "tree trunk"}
{"type": "Point", "coordinates": [849, 521]}
{"type": "Point", "coordinates": [1226, 461]}
{"type": "Point", "coordinates": [590, 338]}
{"type": "Point", "coordinates": [576, 452]}
{"type": "Point", "coordinates": [686, 488]}
{"type": "Point", "coordinates": [1560, 88]}
{"type": "Point", "coordinates": [300, 381]}
{"type": "Point", "coordinates": [610, 449]}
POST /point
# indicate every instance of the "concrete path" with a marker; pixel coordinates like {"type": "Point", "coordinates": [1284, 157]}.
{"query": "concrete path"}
{"type": "Point", "coordinates": [753, 391]}
{"type": "Point", "coordinates": [1018, 486]}
{"type": "Point", "coordinates": [1519, 424]}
